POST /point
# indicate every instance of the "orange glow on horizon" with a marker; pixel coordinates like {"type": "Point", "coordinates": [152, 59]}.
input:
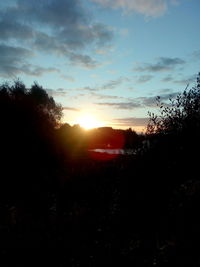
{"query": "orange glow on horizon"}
{"type": "Point", "coordinates": [88, 121]}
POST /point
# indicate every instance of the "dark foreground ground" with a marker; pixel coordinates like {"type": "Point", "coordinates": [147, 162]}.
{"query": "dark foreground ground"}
{"type": "Point", "coordinates": [121, 211]}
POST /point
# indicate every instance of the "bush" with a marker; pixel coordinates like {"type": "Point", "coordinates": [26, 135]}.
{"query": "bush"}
{"type": "Point", "coordinates": [180, 115]}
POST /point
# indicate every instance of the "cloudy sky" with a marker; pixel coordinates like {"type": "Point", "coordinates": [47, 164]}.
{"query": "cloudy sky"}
{"type": "Point", "coordinates": [108, 58]}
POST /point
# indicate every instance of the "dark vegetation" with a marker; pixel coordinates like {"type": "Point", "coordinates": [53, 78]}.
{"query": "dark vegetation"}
{"type": "Point", "coordinates": [61, 204]}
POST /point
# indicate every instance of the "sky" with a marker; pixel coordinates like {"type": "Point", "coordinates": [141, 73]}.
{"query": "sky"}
{"type": "Point", "coordinates": [104, 58]}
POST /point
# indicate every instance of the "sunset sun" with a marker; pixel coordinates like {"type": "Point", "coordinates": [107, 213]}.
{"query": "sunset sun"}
{"type": "Point", "coordinates": [88, 121]}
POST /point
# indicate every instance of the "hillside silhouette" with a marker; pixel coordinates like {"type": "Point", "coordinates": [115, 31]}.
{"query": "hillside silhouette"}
{"type": "Point", "coordinates": [61, 204]}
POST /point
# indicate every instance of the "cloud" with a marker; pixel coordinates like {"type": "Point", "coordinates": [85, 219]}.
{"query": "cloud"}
{"type": "Point", "coordinates": [166, 91]}
{"type": "Point", "coordinates": [79, 36]}
{"type": "Point", "coordinates": [168, 78]}
{"type": "Point", "coordinates": [60, 92]}
{"type": "Point", "coordinates": [71, 109]}
{"type": "Point", "coordinates": [86, 88]}
{"type": "Point", "coordinates": [103, 96]}
{"type": "Point", "coordinates": [14, 30]}
{"type": "Point", "coordinates": [151, 101]}
{"type": "Point", "coordinates": [113, 71]}
{"type": "Point", "coordinates": [61, 27]}
{"type": "Point", "coordinates": [66, 20]}
{"type": "Point", "coordinates": [112, 84]}
{"type": "Point", "coordinates": [144, 78]}
{"type": "Point", "coordinates": [131, 121]}
{"type": "Point", "coordinates": [121, 105]}
{"type": "Point", "coordinates": [13, 54]}
{"type": "Point", "coordinates": [52, 12]}
{"type": "Point", "coordinates": [45, 43]}
{"type": "Point", "coordinates": [105, 50]}
{"type": "Point", "coordinates": [195, 56]}
{"type": "Point", "coordinates": [83, 61]}
{"type": "Point", "coordinates": [108, 85]}
{"type": "Point", "coordinates": [67, 77]}
{"type": "Point", "coordinates": [183, 81]}
{"type": "Point", "coordinates": [146, 7]}
{"type": "Point", "coordinates": [187, 80]}
{"type": "Point", "coordinates": [163, 64]}
{"type": "Point", "coordinates": [139, 102]}
{"type": "Point", "coordinates": [13, 60]}
{"type": "Point", "coordinates": [37, 70]}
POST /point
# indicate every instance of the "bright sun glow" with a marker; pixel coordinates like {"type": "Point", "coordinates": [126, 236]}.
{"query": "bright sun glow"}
{"type": "Point", "coordinates": [88, 121]}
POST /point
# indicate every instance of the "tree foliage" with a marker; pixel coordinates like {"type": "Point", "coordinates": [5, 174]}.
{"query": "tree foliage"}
{"type": "Point", "coordinates": [28, 118]}
{"type": "Point", "coordinates": [34, 101]}
{"type": "Point", "coordinates": [179, 115]}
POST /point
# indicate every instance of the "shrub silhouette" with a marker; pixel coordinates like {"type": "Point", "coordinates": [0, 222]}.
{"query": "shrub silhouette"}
{"type": "Point", "coordinates": [172, 161]}
{"type": "Point", "coordinates": [180, 115]}
{"type": "Point", "coordinates": [176, 130]}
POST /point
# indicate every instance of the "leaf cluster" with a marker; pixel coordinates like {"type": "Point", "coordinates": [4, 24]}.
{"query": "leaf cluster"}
{"type": "Point", "coordinates": [179, 115]}
{"type": "Point", "coordinates": [34, 102]}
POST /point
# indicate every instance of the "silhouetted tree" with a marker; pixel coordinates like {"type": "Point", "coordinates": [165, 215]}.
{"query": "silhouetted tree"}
{"type": "Point", "coordinates": [175, 132]}
{"type": "Point", "coordinates": [45, 104]}
{"type": "Point", "coordinates": [28, 119]}
{"type": "Point", "coordinates": [181, 114]}
{"type": "Point", "coordinates": [173, 190]}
